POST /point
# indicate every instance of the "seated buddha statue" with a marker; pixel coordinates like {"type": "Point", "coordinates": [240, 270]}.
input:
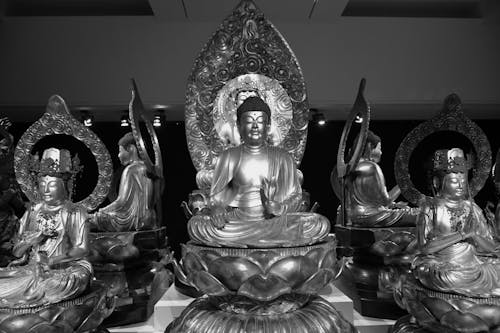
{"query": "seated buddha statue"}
{"type": "Point", "coordinates": [52, 241]}
{"type": "Point", "coordinates": [368, 202]}
{"type": "Point", "coordinates": [133, 208]}
{"type": "Point", "coordinates": [458, 252]}
{"type": "Point", "coordinates": [256, 197]}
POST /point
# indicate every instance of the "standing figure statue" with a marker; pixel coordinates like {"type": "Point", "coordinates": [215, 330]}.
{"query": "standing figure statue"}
{"type": "Point", "coordinates": [458, 250]}
{"type": "Point", "coordinates": [256, 195]}
{"type": "Point", "coordinates": [368, 203]}
{"type": "Point", "coordinates": [133, 209]}
{"type": "Point", "coordinates": [52, 240]}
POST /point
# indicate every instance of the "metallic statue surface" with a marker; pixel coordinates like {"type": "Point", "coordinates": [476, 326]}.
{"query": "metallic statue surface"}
{"type": "Point", "coordinates": [450, 118]}
{"type": "Point", "coordinates": [58, 120]}
{"type": "Point", "coordinates": [50, 287]}
{"type": "Point", "coordinates": [455, 283]}
{"type": "Point", "coordinates": [255, 252]}
{"type": "Point", "coordinates": [133, 209]}
{"type": "Point", "coordinates": [256, 196]}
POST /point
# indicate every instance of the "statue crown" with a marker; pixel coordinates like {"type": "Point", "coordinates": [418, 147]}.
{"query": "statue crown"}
{"type": "Point", "coordinates": [450, 160]}
{"type": "Point", "coordinates": [55, 162]}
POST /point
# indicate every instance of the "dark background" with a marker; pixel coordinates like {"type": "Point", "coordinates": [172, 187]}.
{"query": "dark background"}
{"type": "Point", "coordinates": [319, 159]}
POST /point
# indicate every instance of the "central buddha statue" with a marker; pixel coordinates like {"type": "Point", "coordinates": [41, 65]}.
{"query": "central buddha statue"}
{"type": "Point", "coordinates": [256, 196]}
{"type": "Point", "coordinates": [52, 242]}
{"type": "Point", "coordinates": [133, 208]}
{"type": "Point", "coordinates": [457, 245]}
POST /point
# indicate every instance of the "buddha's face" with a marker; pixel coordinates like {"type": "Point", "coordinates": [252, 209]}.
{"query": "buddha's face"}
{"type": "Point", "coordinates": [454, 186]}
{"type": "Point", "coordinates": [52, 189]}
{"type": "Point", "coordinates": [253, 127]}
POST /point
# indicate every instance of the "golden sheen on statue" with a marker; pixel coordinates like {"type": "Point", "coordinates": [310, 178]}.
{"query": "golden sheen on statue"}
{"type": "Point", "coordinates": [133, 208]}
{"type": "Point", "coordinates": [369, 204]}
{"type": "Point", "coordinates": [256, 195]}
{"type": "Point", "coordinates": [52, 240]}
{"type": "Point", "coordinates": [458, 249]}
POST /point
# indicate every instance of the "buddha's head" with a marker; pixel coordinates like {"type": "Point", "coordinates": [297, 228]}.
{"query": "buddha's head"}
{"type": "Point", "coordinates": [373, 147]}
{"type": "Point", "coordinates": [254, 121]}
{"type": "Point", "coordinates": [450, 179]}
{"type": "Point", "coordinates": [127, 149]}
{"type": "Point", "coordinates": [55, 175]}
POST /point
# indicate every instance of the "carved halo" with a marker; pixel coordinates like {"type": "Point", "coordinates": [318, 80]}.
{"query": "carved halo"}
{"type": "Point", "coordinates": [245, 43]}
{"type": "Point", "coordinates": [136, 113]}
{"type": "Point", "coordinates": [451, 118]}
{"type": "Point", "coordinates": [58, 120]}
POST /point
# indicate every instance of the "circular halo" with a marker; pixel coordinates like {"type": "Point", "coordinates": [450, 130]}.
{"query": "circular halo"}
{"type": "Point", "coordinates": [270, 90]}
{"type": "Point", "coordinates": [451, 118]}
{"type": "Point", "coordinates": [136, 113]}
{"type": "Point", "coordinates": [58, 120]}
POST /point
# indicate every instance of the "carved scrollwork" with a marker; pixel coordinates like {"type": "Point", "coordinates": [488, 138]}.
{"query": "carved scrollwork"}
{"type": "Point", "coordinates": [58, 120]}
{"type": "Point", "coordinates": [451, 118]}
{"type": "Point", "coordinates": [246, 43]}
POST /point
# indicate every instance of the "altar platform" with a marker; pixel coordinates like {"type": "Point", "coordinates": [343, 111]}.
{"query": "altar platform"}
{"type": "Point", "coordinates": [173, 302]}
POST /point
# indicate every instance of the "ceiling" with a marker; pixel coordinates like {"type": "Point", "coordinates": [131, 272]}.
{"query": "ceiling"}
{"type": "Point", "coordinates": [275, 9]}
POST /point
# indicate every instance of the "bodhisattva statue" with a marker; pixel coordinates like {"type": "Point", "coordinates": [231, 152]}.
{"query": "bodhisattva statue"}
{"type": "Point", "coordinates": [52, 240]}
{"type": "Point", "coordinates": [458, 250]}
{"type": "Point", "coordinates": [368, 203]}
{"type": "Point", "coordinates": [256, 194]}
{"type": "Point", "coordinates": [133, 208]}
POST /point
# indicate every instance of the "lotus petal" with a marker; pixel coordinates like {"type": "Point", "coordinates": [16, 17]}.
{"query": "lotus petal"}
{"type": "Point", "coordinates": [192, 263]}
{"type": "Point", "coordinates": [437, 306]}
{"type": "Point", "coordinates": [487, 312]}
{"type": "Point", "coordinates": [329, 260]}
{"type": "Point", "coordinates": [317, 282]}
{"type": "Point", "coordinates": [233, 271]}
{"type": "Point", "coordinates": [21, 323]}
{"type": "Point", "coordinates": [207, 256]}
{"type": "Point", "coordinates": [50, 314]}
{"type": "Point", "coordinates": [264, 288]}
{"type": "Point", "coordinates": [420, 312]}
{"type": "Point", "coordinates": [461, 304]}
{"type": "Point", "coordinates": [386, 248]}
{"type": "Point", "coordinates": [263, 258]}
{"type": "Point", "coordinates": [294, 269]}
{"type": "Point", "coordinates": [75, 315]}
{"type": "Point", "coordinates": [208, 284]}
{"type": "Point", "coordinates": [315, 255]}
{"type": "Point", "coordinates": [464, 322]}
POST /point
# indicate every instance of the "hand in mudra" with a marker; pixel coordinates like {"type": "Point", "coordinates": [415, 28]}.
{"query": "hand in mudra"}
{"type": "Point", "coordinates": [267, 192]}
{"type": "Point", "coordinates": [218, 217]}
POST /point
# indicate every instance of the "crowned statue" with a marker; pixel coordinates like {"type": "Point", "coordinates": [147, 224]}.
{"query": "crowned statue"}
{"type": "Point", "coordinates": [256, 196]}
{"type": "Point", "coordinates": [52, 241]}
{"type": "Point", "coordinates": [368, 203]}
{"type": "Point", "coordinates": [458, 251]}
{"type": "Point", "coordinates": [133, 209]}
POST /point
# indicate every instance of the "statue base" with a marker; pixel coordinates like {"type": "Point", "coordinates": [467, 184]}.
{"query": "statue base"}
{"type": "Point", "coordinates": [207, 315]}
{"type": "Point", "coordinates": [377, 261]}
{"type": "Point", "coordinates": [130, 263]}
{"type": "Point", "coordinates": [81, 314]}
{"type": "Point", "coordinates": [439, 312]}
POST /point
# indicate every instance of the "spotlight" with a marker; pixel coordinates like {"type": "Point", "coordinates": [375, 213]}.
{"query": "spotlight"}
{"type": "Point", "coordinates": [318, 117]}
{"type": "Point", "coordinates": [358, 119]}
{"type": "Point", "coordinates": [87, 118]}
{"type": "Point", "coordinates": [124, 121]}
{"type": "Point", "coordinates": [159, 119]}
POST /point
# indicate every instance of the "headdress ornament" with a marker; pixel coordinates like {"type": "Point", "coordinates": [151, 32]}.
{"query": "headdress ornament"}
{"type": "Point", "coordinates": [56, 163]}
{"type": "Point", "coordinates": [450, 160]}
